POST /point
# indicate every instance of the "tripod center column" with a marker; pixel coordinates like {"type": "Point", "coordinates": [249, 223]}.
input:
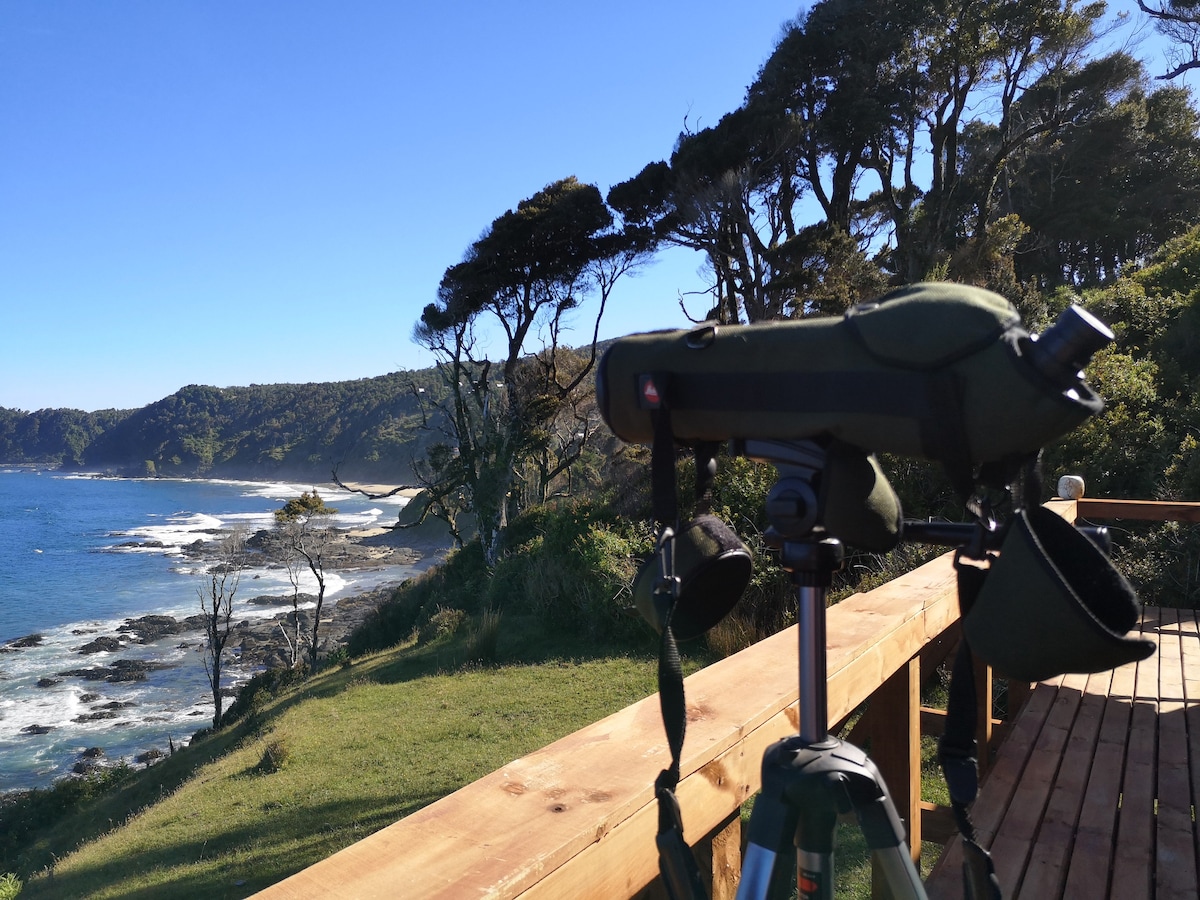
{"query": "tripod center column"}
{"type": "Point", "coordinates": [812, 564]}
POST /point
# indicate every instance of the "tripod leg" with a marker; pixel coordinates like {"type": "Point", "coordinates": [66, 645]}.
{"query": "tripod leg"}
{"type": "Point", "coordinates": [816, 833]}
{"type": "Point", "coordinates": [772, 824]}
{"type": "Point", "coordinates": [884, 833]}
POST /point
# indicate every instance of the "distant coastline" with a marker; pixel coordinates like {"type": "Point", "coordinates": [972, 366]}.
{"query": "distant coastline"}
{"type": "Point", "coordinates": [370, 430]}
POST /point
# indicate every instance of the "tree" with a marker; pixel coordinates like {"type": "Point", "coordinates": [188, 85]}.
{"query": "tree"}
{"type": "Point", "coordinates": [216, 607]}
{"type": "Point", "coordinates": [306, 533]}
{"type": "Point", "coordinates": [523, 279]}
{"type": "Point", "coordinates": [1110, 190]}
{"type": "Point", "coordinates": [859, 93]}
{"type": "Point", "coordinates": [1178, 21]}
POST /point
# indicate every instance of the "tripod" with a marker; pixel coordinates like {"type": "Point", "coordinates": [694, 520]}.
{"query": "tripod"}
{"type": "Point", "coordinates": [812, 777]}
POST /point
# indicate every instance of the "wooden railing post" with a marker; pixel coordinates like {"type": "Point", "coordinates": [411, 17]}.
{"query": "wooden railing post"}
{"type": "Point", "coordinates": [896, 751]}
{"type": "Point", "coordinates": [720, 857]}
{"type": "Point", "coordinates": [983, 712]}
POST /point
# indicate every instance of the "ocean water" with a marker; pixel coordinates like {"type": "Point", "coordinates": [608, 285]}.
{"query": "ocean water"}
{"type": "Point", "coordinates": [65, 576]}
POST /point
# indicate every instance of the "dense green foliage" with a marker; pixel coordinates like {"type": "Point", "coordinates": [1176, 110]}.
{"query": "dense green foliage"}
{"type": "Point", "coordinates": [369, 430]}
{"type": "Point", "coordinates": [990, 142]}
{"type": "Point", "coordinates": [1144, 443]}
{"type": "Point", "coordinates": [53, 436]}
{"type": "Point", "coordinates": [569, 565]}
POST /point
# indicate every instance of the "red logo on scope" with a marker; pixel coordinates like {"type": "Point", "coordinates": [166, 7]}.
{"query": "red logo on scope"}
{"type": "Point", "coordinates": [651, 399]}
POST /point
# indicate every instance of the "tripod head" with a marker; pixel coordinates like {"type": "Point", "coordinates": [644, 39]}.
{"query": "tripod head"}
{"type": "Point", "coordinates": [828, 487]}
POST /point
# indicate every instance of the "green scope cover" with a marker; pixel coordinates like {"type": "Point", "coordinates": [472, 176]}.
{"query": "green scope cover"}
{"type": "Point", "coordinates": [940, 371]}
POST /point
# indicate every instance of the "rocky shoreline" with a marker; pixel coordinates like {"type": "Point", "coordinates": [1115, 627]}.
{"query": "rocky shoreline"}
{"type": "Point", "coordinates": [260, 642]}
{"type": "Point", "coordinates": [257, 643]}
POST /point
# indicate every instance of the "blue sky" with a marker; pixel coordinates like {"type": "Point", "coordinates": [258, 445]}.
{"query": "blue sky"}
{"type": "Point", "coordinates": [227, 193]}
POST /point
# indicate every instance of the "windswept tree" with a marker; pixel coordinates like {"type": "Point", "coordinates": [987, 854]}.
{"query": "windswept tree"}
{"type": "Point", "coordinates": [1179, 22]}
{"type": "Point", "coordinates": [304, 529]}
{"type": "Point", "coordinates": [521, 282]}
{"type": "Point", "coordinates": [853, 137]}
{"type": "Point", "coordinates": [1110, 190]}
{"type": "Point", "coordinates": [216, 607]}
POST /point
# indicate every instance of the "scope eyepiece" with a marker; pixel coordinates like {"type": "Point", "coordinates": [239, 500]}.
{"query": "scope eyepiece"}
{"type": "Point", "coordinates": [1066, 347]}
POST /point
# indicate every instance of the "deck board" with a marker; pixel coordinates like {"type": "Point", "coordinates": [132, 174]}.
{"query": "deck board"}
{"type": "Point", "coordinates": [1098, 783]}
{"type": "Point", "coordinates": [1047, 867]}
{"type": "Point", "coordinates": [1092, 851]}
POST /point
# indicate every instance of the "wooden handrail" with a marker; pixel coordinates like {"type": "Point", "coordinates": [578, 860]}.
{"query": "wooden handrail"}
{"type": "Point", "coordinates": [1144, 510]}
{"type": "Point", "coordinates": [578, 818]}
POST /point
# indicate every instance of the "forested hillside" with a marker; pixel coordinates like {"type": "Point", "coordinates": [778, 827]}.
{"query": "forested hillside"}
{"type": "Point", "coordinates": [368, 429]}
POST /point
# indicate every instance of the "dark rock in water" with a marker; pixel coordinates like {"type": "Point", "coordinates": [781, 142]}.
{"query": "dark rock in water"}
{"type": "Point", "coordinates": [150, 756]}
{"type": "Point", "coordinates": [37, 729]}
{"type": "Point", "coordinates": [117, 704]}
{"type": "Point", "coordinates": [134, 669]}
{"type": "Point", "coordinates": [95, 716]}
{"type": "Point", "coordinates": [267, 600]}
{"type": "Point", "coordinates": [88, 698]}
{"type": "Point", "coordinates": [140, 545]}
{"type": "Point", "coordinates": [103, 644]}
{"type": "Point", "coordinates": [92, 753]}
{"type": "Point", "coordinates": [150, 628]}
{"type": "Point", "coordinates": [119, 670]}
{"type": "Point", "coordinates": [23, 643]}
{"type": "Point", "coordinates": [260, 540]}
{"type": "Point", "coordinates": [48, 682]}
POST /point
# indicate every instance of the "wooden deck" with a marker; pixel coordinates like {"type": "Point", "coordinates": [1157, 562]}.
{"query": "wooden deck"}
{"type": "Point", "coordinates": [1094, 792]}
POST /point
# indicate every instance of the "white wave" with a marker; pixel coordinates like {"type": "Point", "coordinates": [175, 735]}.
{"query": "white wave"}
{"type": "Point", "coordinates": [283, 491]}
{"type": "Point", "coordinates": [181, 529]}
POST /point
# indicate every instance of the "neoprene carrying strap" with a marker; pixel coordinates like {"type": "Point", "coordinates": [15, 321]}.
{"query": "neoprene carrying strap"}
{"type": "Point", "coordinates": [958, 751]}
{"type": "Point", "coordinates": [676, 863]}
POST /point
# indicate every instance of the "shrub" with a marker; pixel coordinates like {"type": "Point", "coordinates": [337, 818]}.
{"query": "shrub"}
{"type": "Point", "coordinates": [255, 693]}
{"type": "Point", "coordinates": [484, 638]}
{"type": "Point", "coordinates": [1162, 561]}
{"type": "Point", "coordinates": [573, 568]}
{"type": "Point", "coordinates": [444, 623]}
{"type": "Point", "coordinates": [10, 886]}
{"type": "Point", "coordinates": [276, 756]}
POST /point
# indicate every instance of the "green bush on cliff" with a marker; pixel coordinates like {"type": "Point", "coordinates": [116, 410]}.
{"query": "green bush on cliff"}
{"type": "Point", "coordinates": [565, 565]}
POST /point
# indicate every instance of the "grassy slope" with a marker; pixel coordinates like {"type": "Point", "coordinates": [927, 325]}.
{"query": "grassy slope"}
{"type": "Point", "coordinates": [354, 750]}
